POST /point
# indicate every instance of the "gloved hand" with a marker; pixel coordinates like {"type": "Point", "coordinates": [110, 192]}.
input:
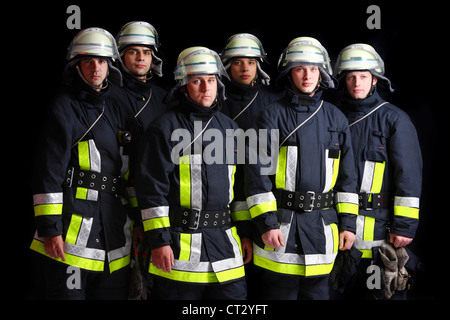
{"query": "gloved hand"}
{"type": "Point", "coordinates": [390, 261]}
{"type": "Point", "coordinates": [345, 269]}
{"type": "Point", "coordinates": [402, 278]}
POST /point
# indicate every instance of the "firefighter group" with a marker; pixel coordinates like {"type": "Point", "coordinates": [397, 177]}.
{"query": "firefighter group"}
{"type": "Point", "coordinates": [117, 218]}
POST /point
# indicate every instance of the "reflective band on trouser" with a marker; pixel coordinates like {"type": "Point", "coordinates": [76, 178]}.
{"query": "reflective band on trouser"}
{"type": "Point", "coordinates": [191, 181]}
{"type": "Point", "coordinates": [88, 160]}
{"type": "Point", "coordinates": [347, 202]}
{"type": "Point", "coordinates": [364, 236]}
{"type": "Point", "coordinates": [261, 203]}
{"type": "Point", "coordinates": [300, 264]}
{"type": "Point", "coordinates": [48, 204]}
{"type": "Point", "coordinates": [189, 268]}
{"type": "Point", "coordinates": [286, 168]}
{"type": "Point", "coordinates": [155, 218]}
{"type": "Point", "coordinates": [407, 207]}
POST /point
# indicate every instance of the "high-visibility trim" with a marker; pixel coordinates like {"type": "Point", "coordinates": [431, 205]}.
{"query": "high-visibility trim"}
{"type": "Point", "coordinates": [331, 170]}
{"type": "Point", "coordinates": [83, 155]}
{"type": "Point", "coordinates": [119, 263]}
{"type": "Point", "coordinates": [364, 241]}
{"type": "Point", "coordinates": [347, 202]}
{"type": "Point", "coordinates": [120, 257]}
{"type": "Point", "coordinates": [299, 264]}
{"type": "Point", "coordinates": [74, 228]}
{"type": "Point", "coordinates": [191, 181]}
{"type": "Point", "coordinates": [286, 168]}
{"type": "Point", "coordinates": [378, 176]}
{"type": "Point", "coordinates": [372, 180]}
{"type": "Point", "coordinates": [84, 263]}
{"type": "Point", "coordinates": [407, 207]}
{"type": "Point", "coordinates": [231, 172]}
{"type": "Point", "coordinates": [261, 203]}
{"type": "Point", "coordinates": [89, 160]}
{"type": "Point", "coordinates": [239, 211]}
{"type": "Point", "coordinates": [185, 246]}
{"type": "Point", "coordinates": [154, 218]}
{"type": "Point", "coordinates": [48, 203]}
{"type": "Point", "coordinates": [185, 276]}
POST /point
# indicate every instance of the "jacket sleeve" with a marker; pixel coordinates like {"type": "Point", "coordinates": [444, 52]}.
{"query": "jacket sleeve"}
{"type": "Point", "coordinates": [51, 161]}
{"type": "Point", "coordinates": [346, 183]}
{"type": "Point", "coordinates": [153, 173]}
{"type": "Point", "coordinates": [260, 199]}
{"type": "Point", "coordinates": [406, 160]}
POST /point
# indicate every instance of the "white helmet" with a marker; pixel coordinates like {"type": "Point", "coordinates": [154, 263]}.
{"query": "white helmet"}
{"type": "Point", "coordinates": [306, 51]}
{"type": "Point", "coordinates": [361, 57]}
{"type": "Point", "coordinates": [93, 42]}
{"type": "Point", "coordinates": [197, 61]}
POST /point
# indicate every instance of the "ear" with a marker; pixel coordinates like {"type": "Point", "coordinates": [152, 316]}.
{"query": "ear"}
{"type": "Point", "coordinates": [374, 81]}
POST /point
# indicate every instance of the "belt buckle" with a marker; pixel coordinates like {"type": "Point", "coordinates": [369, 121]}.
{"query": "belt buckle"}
{"type": "Point", "coordinates": [313, 198]}
{"type": "Point", "coordinates": [196, 213]}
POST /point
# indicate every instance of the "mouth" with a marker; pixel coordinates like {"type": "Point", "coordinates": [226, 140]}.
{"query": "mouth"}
{"type": "Point", "coordinates": [140, 66]}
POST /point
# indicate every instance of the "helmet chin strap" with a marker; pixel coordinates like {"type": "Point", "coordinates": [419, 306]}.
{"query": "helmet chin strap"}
{"type": "Point", "coordinates": [102, 86]}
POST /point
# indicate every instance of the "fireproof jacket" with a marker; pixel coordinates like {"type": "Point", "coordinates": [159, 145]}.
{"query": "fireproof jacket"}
{"type": "Point", "coordinates": [144, 101]}
{"type": "Point", "coordinates": [75, 181]}
{"type": "Point", "coordinates": [389, 171]}
{"type": "Point", "coordinates": [166, 186]}
{"type": "Point", "coordinates": [316, 161]}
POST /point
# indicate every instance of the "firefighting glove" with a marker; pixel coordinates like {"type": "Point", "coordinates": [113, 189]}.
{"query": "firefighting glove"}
{"type": "Point", "coordinates": [390, 261]}
{"type": "Point", "coordinates": [402, 278]}
{"type": "Point", "coordinates": [345, 269]}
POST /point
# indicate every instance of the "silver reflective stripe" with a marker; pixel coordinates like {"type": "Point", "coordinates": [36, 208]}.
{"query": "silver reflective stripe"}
{"type": "Point", "coordinates": [196, 246]}
{"type": "Point", "coordinates": [47, 198]}
{"type": "Point", "coordinates": [230, 182]}
{"type": "Point", "coordinates": [126, 249]}
{"type": "Point", "coordinates": [94, 157]}
{"type": "Point", "coordinates": [285, 228]}
{"type": "Point", "coordinates": [196, 181]}
{"type": "Point", "coordinates": [291, 167]}
{"type": "Point", "coordinates": [92, 195]}
{"type": "Point", "coordinates": [260, 198]}
{"type": "Point", "coordinates": [347, 197]}
{"type": "Point", "coordinates": [239, 206]}
{"type": "Point", "coordinates": [83, 252]}
{"type": "Point", "coordinates": [192, 266]}
{"type": "Point", "coordinates": [412, 202]}
{"type": "Point", "coordinates": [369, 169]}
{"type": "Point", "coordinates": [360, 243]}
{"type": "Point", "coordinates": [84, 232]}
{"type": "Point", "coordinates": [156, 212]}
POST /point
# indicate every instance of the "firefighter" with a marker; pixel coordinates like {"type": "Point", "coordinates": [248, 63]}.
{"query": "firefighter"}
{"type": "Point", "coordinates": [83, 230]}
{"type": "Point", "coordinates": [196, 252]}
{"type": "Point", "coordinates": [305, 209]}
{"type": "Point", "coordinates": [387, 156]}
{"type": "Point", "coordinates": [138, 43]}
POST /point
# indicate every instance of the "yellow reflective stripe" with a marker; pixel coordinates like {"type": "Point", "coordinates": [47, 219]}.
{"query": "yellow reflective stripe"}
{"type": "Point", "coordinates": [74, 228]}
{"type": "Point", "coordinates": [335, 170]}
{"type": "Point", "coordinates": [263, 208]}
{"type": "Point", "coordinates": [47, 209]}
{"type": "Point", "coordinates": [185, 246]}
{"type": "Point", "coordinates": [280, 176]}
{"type": "Point", "coordinates": [185, 182]}
{"type": "Point", "coordinates": [293, 269]}
{"type": "Point", "coordinates": [119, 263]}
{"type": "Point", "coordinates": [347, 208]}
{"type": "Point", "coordinates": [84, 263]}
{"type": "Point", "coordinates": [406, 212]}
{"type": "Point", "coordinates": [366, 253]}
{"type": "Point", "coordinates": [378, 174]}
{"type": "Point", "coordinates": [237, 238]}
{"type": "Point", "coordinates": [83, 155]}
{"type": "Point", "coordinates": [231, 172]}
{"type": "Point", "coordinates": [369, 227]}
{"type": "Point", "coordinates": [156, 223]}
{"type": "Point", "coordinates": [81, 193]}
{"type": "Point", "coordinates": [185, 276]}
{"type": "Point", "coordinates": [243, 215]}
{"type": "Point", "coordinates": [335, 231]}
{"type": "Point", "coordinates": [230, 274]}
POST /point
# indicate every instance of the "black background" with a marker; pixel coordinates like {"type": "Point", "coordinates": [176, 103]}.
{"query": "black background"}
{"type": "Point", "coordinates": [414, 54]}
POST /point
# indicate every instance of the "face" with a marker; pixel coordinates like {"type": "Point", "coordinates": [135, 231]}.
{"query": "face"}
{"type": "Point", "coordinates": [138, 60]}
{"type": "Point", "coordinates": [94, 70]}
{"type": "Point", "coordinates": [305, 78]}
{"type": "Point", "coordinates": [202, 89]}
{"type": "Point", "coordinates": [243, 70]}
{"type": "Point", "coordinates": [359, 84]}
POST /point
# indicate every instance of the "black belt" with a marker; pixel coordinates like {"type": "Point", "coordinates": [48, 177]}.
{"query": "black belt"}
{"type": "Point", "coordinates": [379, 200]}
{"type": "Point", "coordinates": [303, 201]}
{"type": "Point", "coordinates": [194, 219]}
{"type": "Point", "coordinates": [93, 180]}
